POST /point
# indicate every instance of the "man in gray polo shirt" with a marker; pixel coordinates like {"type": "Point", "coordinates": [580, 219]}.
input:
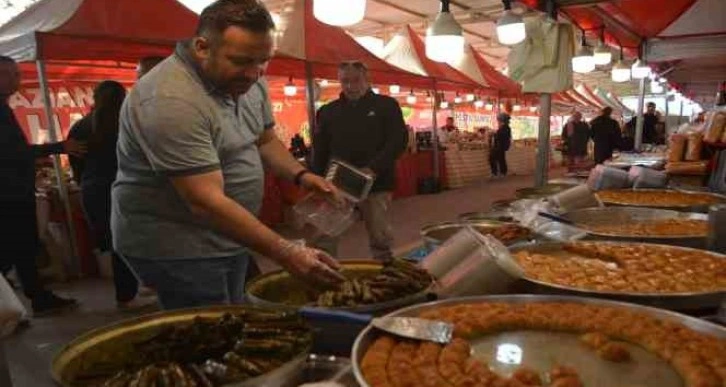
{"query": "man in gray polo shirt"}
{"type": "Point", "coordinates": [194, 134]}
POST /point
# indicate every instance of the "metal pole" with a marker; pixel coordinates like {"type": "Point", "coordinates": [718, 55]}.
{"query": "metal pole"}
{"type": "Point", "coordinates": [310, 89]}
{"type": "Point", "coordinates": [543, 140]}
{"type": "Point", "coordinates": [665, 122]}
{"type": "Point", "coordinates": [62, 188]}
{"type": "Point", "coordinates": [545, 109]}
{"type": "Point", "coordinates": [640, 120]}
{"type": "Point", "coordinates": [680, 114]}
{"type": "Point", "coordinates": [435, 135]}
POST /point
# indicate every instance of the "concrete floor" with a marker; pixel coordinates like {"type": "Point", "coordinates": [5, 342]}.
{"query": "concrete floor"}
{"type": "Point", "coordinates": [29, 352]}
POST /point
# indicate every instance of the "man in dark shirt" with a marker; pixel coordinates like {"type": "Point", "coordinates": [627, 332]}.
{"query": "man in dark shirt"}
{"type": "Point", "coordinates": [650, 123]}
{"type": "Point", "coordinates": [366, 130]}
{"type": "Point", "coordinates": [501, 142]}
{"type": "Point", "coordinates": [19, 236]}
{"type": "Point", "coordinates": [606, 135]}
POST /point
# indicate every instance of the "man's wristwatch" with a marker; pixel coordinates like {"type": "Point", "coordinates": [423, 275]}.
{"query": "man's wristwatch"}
{"type": "Point", "coordinates": [298, 177]}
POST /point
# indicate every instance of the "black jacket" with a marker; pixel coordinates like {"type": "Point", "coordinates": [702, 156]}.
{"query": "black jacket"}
{"type": "Point", "coordinates": [368, 133]}
{"type": "Point", "coordinates": [17, 158]}
{"type": "Point", "coordinates": [606, 136]}
{"type": "Point", "coordinates": [503, 138]}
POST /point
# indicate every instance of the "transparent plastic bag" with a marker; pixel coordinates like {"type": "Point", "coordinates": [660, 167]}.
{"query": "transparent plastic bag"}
{"type": "Point", "coordinates": [327, 217]}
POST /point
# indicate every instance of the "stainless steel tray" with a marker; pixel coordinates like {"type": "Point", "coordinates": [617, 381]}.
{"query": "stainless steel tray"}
{"type": "Point", "coordinates": [541, 192]}
{"type": "Point", "coordinates": [278, 289]}
{"type": "Point", "coordinates": [111, 343]}
{"type": "Point", "coordinates": [541, 350]}
{"type": "Point", "coordinates": [587, 217]}
{"type": "Point", "coordinates": [700, 208]}
{"type": "Point", "coordinates": [436, 234]}
{"type": "Point", "coordinates": [672, 301]}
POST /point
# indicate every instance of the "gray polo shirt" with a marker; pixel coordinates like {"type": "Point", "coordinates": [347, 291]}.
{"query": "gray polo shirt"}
{"type": "Point", "coordinates": [172, 123]}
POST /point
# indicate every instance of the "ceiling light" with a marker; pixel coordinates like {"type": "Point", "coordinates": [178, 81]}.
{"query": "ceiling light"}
{"type": "Point", "coordinates": [533, 109]}
{"type": "Point", "coordinates": [656, 88]}
{"type": "Point", "coordinates": [457, 99]}
{"type": "Point", "coordinates": [583, 62]}
{"type": "Point", "coordinates": [603, 56]}
{"type": "Point", "coordinates": [372, 44]}
{"type": "Point", "coordinates": [444, 38]}
{"type": "Point", "coordinates": [290, 89]}
{"type": "Point", "coordinates": [621, 70]}
{"type": "Point", "coordinates": [339, 13]}
{"type": "Point", "coordinates": [394, 89]}
{"type": "Point", "coordinates": [429, 98]}
{"type": "Point", "coordinates": [489, 106]}
{"type": "Point", "coordinates": [376, 90]}
{"type": "Point", "coordinates": [510, 27]}
{"type": "Point", "coordinates": [411, 99]}
{"type": "Point", "coordinates": [662, 80]}
{"type": "Point", "coordinates": [640, 70]}
{"type": "Point", "coordinates": [517, 107]}
{"type": "Point", "coordinates": [444, 105]}
{"type": "Point", "coordinates": [324, 83]}
{"type": "Point", "coordinates": [470, 97]}
{"type": "Point", "coordinates": [478, 104]}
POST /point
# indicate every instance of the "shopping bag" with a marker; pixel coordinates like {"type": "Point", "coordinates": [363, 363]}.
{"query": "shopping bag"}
{"type": "Point", "coordinates": [12, 310]}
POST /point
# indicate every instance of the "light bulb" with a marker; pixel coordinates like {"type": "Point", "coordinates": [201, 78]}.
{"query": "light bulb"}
{"type": "Point", "coordinates": [533, 109]}
{"type": "Point", "coordinates": [376, 90]}
{"type": "Point", "coordinates": [444, 39]}
{"type": "Point", "coordinates": [583, 62]}
{"type": "Point", "coordinates": [511, 29]}
{"type": "Point", "coordinates": [470, 97]}
{"type": "Point", "coordinates": [394, 89]}
{"type": "Point", "coordinates": [603, 56]}
{"type": "Point", "coordinates": [290, 90]}
{"type": "Point", "coordinates": [478, 104]}
{"type": "Point", "coordinates": [411, 99]}
{"type": "Point", "coordinates": [489, 106]}
{"type": "Point", "coordinates": [324, 83]}
{"type": "Point", "coordinates": [517, 107]}
{"type": "Point", "coordinates": [457, 99]}
{"type": "Point", "coordinates": [640, 70]}
{"type": "Point", "coordinates": [621, 72]}
{"type": "Point", "coordinates": [662, 80]}
{"type": "Point", "coordinates": [429, 99]}
{"type": "Point", "coordinates": [339, 13]}
{"type": "Point", "coordinates": [444, 105]}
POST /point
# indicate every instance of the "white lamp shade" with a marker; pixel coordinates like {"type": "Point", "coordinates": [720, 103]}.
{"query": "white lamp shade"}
{"type": "Point", "coordinates": [394, 89]}
{"type": "Point", "coordinates": [621, 72]}
{"type": "Point", "coordinates": [583, 62]}
{"type": "Point", "coordinates": [489, 106]}
{"type": "Point", "coordinates": [533, 109]}
{"type": "Point", "coordinates": [470, 97]}
{"type": "Point", "coordinates": [444, 39]}
{"type": "Point", "coordinates": [517, 108]}
{"type": "Point", "coordinates": [290, 90]}
{"type": "Point", "coordinates": [640, 70]}
{"type": "Point", "coordinates": [479, 104]}
{"type": "Point", "coordinates": [324, 83]}
{"type": "Point", "coordinates": [372, 44]}
{"type": "Point", "coordinates": [339, 13]}
{"type": "Point", "coordinates": [457, 99]}
{"type": "Point", "coordinates": [411, 99]}
{"type": "Point", "coordinates": [603, 56]}
{"type": "Point", "coordinates": [511, 29]}
{"type": "Point", "coordinates": [444, 105]}
{"type": "Point", "coordinates": [376, 90]}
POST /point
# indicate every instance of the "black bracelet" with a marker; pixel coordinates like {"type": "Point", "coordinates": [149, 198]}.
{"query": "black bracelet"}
{"type": "Point", "coordinates": [298, 177]}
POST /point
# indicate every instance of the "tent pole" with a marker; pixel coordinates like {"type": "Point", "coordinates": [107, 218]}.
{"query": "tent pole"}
{"type": "Point", "coordinates": [665, 98]}
{"type": "Point", "coordinates": [545, 109]}
{"type": "Point", "coordinates": [55, 136]}
{"type": "Point", "coordinates": [310, 89]}
{"type": "Point", "coordinates": [680, 115]}
{"type": "Point", "coordinates": [639, 123]}
{"type": "Point", "coordinates": [435, 134]}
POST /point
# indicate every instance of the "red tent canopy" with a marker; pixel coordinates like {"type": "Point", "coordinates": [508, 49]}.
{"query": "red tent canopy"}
{"type": "Point", "coordinates": [96, 30]}
{"type": "Point", "coordinates": [325, 46]}
{"type": "Point", "coordinates": [495, 79]}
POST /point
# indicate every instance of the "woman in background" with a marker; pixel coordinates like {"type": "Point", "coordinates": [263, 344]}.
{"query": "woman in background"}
{"type": "Point", "coordinates": [97, 174]}
{"type": "Point", "coordinates": [576, 135]}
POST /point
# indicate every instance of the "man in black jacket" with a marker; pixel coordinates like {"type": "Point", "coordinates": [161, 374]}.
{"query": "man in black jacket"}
{"type": "Point", "coordinates": [606, 135]}
{"type": "Point", "coordinates": [19, 236]}
{"type": "Point", "coordinates": [501, 141]}
{"type": "Point", "coordinates": [366, 130]}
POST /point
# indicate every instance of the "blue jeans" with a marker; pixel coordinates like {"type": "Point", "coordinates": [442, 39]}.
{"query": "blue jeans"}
{"type": "Point", "coordinates": [186, 283]}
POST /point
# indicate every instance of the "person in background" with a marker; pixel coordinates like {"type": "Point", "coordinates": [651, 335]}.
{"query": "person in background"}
{"type": "Point", "coordinates": [146, 64]}
{"type": "Point", "coordinates": [98, 175]}
{"type": "Point", "coordinates": [366, 130]}
{"type": "Point", "coordinates": [606, 135]}
{"type": "Point", "coordinates": [194, 134]}
{"type": "Point", "coordinates": [297, 147]}
{"type": "Point", "coordinates": [501, 141]}
{"type": "Point", "coordinates": [576, 135]}
{"type": "Point", "coordinates": [650, 124]}
{"type": "Point", "coordinates": [19, 237]}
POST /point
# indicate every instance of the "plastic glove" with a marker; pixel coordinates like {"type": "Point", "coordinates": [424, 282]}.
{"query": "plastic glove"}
{"type": "Point", "coordinates": [310, 264]}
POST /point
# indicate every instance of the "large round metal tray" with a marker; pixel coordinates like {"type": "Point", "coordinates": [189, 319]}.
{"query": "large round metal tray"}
{"type": "Point", "coordinates": [672, 301]}
{"type": "Point", "coordinates": [279, 289]}
{"type": "Point", "coordinates": [702, 208]}
{"type": "Point", "coordinates": [584, 218]}
{"type": "Point", "coordinates": [542, 350]}
{"type": "Point", "coordinates": [541, 192]}
{"type": "Point", "coordinates": [495, 215]}
{"type": "Point", "coordinates": [436, 234]}
{"type": "Point", "coordinates": [113, 343]}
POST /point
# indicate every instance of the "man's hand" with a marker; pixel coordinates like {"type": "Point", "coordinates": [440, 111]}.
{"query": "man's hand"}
{"type": "Point", "coordinates": [74, 147]}
{"type": "Point", "coordinates": [310, 264]}
{"type": "Point", "coordinates": [321, 186]}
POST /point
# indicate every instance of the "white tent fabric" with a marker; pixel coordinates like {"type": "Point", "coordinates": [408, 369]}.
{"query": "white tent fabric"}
{"type": "Point", "coordinates": [18, 35]}
{"type": "Point", "coordinates": [661, 50]}
{"type": "Point", "coordinates": [703, 17]}
{"type": "Point", "coordinates": [400, 53]}
{"type": "Point", "coordinates": [467, 65]}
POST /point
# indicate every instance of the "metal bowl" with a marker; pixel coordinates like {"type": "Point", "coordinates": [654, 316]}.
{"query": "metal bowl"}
{"type": "Point", "coordinates": [701, 208]}
{"type": "Point", "coordinates": [279, 289]}
{"type": "Point", "coordinates": [113, 344]}
{"type": "Point", "coordinates": [498, 216]}
{"type": "Point", "coordinates": [587, 217]}
{"type": "Point", "coordinates": [541, 192]}
{"type": "Point", "coordinates": [434, 235]}
{"type": "Point", "coordinates": [536, 349]}
{"type": "Point", "coordinates": [672, 301]}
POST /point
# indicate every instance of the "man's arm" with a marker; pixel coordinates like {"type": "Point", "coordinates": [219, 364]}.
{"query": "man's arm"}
{"type": "Point", "coordinates": [395, 128]}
